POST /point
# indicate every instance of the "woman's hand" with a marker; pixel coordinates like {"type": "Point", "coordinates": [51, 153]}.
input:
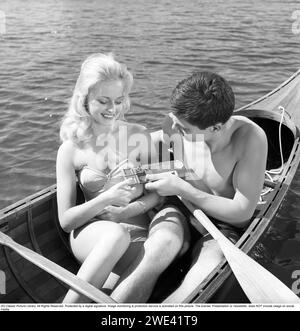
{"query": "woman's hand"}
{"type": "Point", "coordinates": [121, 194]}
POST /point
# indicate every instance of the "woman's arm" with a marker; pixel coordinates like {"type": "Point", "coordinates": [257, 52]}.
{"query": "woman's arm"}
{"type": "Point", "coordinates": [147, 154]}
{"type": "Point", "coordinates": [142, 204]}
{"type": "Point", "coordinates": [135, 208]}
{"type": "Point", "coordinates": [70, 215]}
{"type": "Point", "coordinates": [150, 199]}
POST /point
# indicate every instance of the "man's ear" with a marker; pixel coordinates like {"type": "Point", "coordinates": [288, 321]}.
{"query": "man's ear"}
{"type": "Point", "coordinates": [215, 128]}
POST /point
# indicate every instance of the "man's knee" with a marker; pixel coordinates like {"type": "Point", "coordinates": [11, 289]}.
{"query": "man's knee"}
{"type": "Point", "coordinates": [163, 245]}
{"type": "Point", "coordinates": [169, 217]}
{"type": "Point", "coordinates": [208, 249]}
{"type": "Point", "coordinates": [175, 225]}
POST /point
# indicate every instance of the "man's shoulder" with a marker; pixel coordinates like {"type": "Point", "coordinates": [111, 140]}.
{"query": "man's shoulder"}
{"type": "Point", "coordinates": [249, 135]}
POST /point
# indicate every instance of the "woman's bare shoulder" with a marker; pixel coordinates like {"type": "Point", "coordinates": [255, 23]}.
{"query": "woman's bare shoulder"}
{"type": "Point", "coordinates": [70, 153]}
{"type": "Point", "coordinates": [67, 148]}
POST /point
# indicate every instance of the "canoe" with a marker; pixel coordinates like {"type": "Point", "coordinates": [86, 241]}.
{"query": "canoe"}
{"type": "Point", "coordinates": [33, 222]}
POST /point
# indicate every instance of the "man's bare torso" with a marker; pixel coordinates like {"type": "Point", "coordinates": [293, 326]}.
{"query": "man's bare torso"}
{"type": "Point", "coordinates": [216, 175]}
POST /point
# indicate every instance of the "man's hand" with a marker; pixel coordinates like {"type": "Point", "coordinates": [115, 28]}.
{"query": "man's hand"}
{"type": "Point", "coordinates": [164, 184]}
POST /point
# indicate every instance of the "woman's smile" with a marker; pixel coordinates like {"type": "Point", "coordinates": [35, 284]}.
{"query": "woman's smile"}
{"type": "Point", "coordinates": [108, 115]}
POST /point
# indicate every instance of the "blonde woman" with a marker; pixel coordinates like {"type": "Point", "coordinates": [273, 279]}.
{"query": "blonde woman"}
{"type": "Point", "coordinates": [97, 145]}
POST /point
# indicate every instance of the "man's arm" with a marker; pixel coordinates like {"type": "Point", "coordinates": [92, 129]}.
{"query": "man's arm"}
{"type": "Point", "coordinates": [248, 179]}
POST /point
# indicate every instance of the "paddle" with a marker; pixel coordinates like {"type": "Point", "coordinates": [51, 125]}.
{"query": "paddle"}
{"type": "Point", "coordinates": [259, 284]}
{"type": "Point", "coordinates": [57, 271]}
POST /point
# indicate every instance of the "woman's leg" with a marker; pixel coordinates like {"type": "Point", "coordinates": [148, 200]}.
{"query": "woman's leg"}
{"type": "Point", "coordinates": [165, 240]}
{"type": "Point", "coordinates": [123, 264]}
{"type": "Point", "coordinates": [98, 246]}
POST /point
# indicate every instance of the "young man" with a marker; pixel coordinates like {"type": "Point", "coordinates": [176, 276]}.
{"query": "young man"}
{"type": "Point", "coordinates": [230, 165]}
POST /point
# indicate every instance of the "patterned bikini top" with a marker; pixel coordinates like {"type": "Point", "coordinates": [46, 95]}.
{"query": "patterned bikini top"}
{"type": "Point", "coordinates": [93, 181]}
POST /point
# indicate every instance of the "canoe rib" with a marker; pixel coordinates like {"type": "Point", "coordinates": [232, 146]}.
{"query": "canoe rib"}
{"type": "Point", "coordinates": [30, 231]}
{"type": "Point", "coordinates": [57, 225]}
{"type": "Point", "coordinates": [32, 295]}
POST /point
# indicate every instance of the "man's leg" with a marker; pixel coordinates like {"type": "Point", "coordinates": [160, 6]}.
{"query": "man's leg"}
{"type": "Point", "coordinates": [166, 238]}
{"type": "Point", "coordinates": [207, 256]}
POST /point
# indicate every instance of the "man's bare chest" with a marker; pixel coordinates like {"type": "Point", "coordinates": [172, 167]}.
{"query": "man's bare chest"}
{"type": "Point", "coordinates": [214, 172]}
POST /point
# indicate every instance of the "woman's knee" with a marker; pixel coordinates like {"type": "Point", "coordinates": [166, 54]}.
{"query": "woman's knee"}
{"type": "Point", "coordinates": [100, 233]}
{"type": "Point", "coordinates": [119, 235]}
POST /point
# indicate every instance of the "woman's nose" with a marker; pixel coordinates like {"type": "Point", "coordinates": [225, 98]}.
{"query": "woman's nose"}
{"type": "Point", "coordinates": [111, 107]}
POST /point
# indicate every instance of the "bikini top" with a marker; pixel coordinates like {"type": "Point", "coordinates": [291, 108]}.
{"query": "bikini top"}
{"type": "Point", "coordinates": [93, 181]}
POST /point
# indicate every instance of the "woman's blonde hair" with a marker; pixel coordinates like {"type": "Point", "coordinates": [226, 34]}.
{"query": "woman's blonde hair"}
{"type": "Point", "coordinates": [77, 123]}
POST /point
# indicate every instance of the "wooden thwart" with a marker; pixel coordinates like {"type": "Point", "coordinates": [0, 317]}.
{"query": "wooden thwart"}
{"type": "Point", "coordinates": [57, 271]}
{"type": "Point", "coordinates": [259, 284]}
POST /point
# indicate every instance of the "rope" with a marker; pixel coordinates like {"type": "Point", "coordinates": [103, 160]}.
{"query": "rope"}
{"type": "Point", "coordinates": [278, 171]}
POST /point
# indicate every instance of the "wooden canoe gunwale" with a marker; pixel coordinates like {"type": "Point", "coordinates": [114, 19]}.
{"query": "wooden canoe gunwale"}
{"type": "Point", "coordinates": [24, 204]}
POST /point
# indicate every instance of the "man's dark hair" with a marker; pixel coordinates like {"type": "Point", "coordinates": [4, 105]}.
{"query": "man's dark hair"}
{"type": "Point", "coordinates": [203, 99]}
